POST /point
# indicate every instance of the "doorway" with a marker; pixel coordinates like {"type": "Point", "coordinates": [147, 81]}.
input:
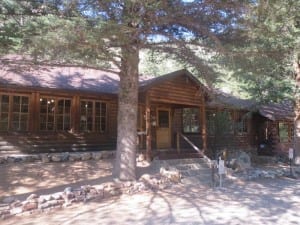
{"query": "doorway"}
{"type": "Point", "coordinates": [163, 130]}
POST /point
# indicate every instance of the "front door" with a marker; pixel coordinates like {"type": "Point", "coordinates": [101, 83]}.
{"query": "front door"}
{"type": "Point", "coordinates": [163, 131]}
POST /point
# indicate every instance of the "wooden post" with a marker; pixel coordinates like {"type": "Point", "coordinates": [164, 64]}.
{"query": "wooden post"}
{"type": "Point", "coordinates": [178, 142]}
{"type": "Point", "coordinates": [35, 107]}
{"type": "Point", "coordinates": [148, 130]}
{"type": "Point", "coordinates": [75, 113]}
{"type": "Point", "coordinates": [203, 123]}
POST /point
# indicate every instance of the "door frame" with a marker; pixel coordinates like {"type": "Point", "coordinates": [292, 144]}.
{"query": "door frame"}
{"type": "Point", "coordinates": [169, 144]}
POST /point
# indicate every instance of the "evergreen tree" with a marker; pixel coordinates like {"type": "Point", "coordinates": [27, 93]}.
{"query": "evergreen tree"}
{"type": "Point", "coordinates": [109, 34]}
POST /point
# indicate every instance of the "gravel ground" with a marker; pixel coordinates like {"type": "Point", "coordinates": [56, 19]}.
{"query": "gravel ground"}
{"type": "Point", "coordinates": [263, 201]}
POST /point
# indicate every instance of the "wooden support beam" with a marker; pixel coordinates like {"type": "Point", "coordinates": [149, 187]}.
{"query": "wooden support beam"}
{"type": "Point", "coordinates": [148, 129]}
{"type": "Point", "coordinates": [178, 142]}
{"type": "Point", "coordinates": [203, 124]}
{"type": "Point", "coordinates": [75, 113]}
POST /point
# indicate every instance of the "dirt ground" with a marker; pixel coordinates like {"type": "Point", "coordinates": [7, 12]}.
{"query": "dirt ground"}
{"type": "Point", "coordinates": [264, 201]}
{"type": "Point", "coordinates": [21, 179]}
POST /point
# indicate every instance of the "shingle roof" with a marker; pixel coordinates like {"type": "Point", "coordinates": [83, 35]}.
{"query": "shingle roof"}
{"type": "Point", "coordinates": [278, 111]}
{"type": "Point", "coordinates": [221, 99]}
{"type": "Point", "coordinates": [13, 72]}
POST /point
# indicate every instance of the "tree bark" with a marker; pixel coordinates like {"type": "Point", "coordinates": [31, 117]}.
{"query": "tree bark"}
{"type": "Point", "coordinates": [297, 115]}
{"type": "Point", "coordinates": [125, 164]}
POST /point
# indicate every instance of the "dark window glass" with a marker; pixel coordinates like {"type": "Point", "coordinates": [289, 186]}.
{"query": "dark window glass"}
{"type": "Point", "coordinates": [190, 120]}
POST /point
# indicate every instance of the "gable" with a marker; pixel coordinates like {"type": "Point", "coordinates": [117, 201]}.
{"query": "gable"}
{"type": "Point", "coordinates": [178, 89]}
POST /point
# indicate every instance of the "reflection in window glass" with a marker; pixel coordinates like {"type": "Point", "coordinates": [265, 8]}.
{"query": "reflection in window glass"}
{"type": "Point", "coordinates": [163, 119]}
{"type": "Point", "coordinates": [20, 113]}
{"type": "Point", "coordinates": [190, 120]}
{"type": "Point", "coordinates": [283, 132]}
{"type": "Point", "coordinates": [4, 110]}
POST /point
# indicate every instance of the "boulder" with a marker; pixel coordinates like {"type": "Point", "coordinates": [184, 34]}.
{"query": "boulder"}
{"type": "Point", "coordinates": [56, 158]}
{"type": "Point", "coordinates": [97, 155]}
{"type": "Point", "coordinates": [74, 157]}
{"type": "Point", "coordinates": [85, 156]}
{"type": "Point", "coordinates": [45, 158]}
{"type": "Point", "coordinates": [28, 206]}
{"type": "Point", "coordinates": [172, 175]}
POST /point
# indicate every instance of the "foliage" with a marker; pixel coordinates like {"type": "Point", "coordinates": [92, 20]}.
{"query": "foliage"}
{"type": "Point", "coordinates": [261, 57]}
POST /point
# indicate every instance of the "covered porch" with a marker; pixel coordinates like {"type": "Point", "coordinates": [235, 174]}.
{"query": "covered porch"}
{"type": "Point", "coordinates": [172, 116]}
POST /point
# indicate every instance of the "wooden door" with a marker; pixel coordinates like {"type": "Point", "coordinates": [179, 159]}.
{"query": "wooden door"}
{"type": "Point", "coordinates": [163, 130]}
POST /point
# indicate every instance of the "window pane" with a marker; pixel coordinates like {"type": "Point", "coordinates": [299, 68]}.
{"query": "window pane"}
{"type": "Point", "coordinates": [163, 118]}
{"type": "Point", "coordinates": [241, 123]}
{"type": "Point", "coordinates": [190, 120]}
{"type": "Point", "coordinates": [283, 132]}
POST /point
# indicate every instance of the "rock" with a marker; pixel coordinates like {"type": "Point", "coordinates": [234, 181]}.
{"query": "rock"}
{"type": "Point", "coordinates": [45, 158]}
{"type": "Point", "coordinates": [96, 155]}
{"type": "Point", "coordinates": [68, 189]}
{"type": "Point", "coordinates": [74, 157]}
{"type": "Point", "coordinates": [15, 204]}
{"type": "Point", "coordinates": [86, 156]}
{"type": "Point", "coordinates": [172, 175]}
{"type": "Point", "coordinates": [65, 156]}
{"type": "Point", "coordinates": [57, 196]}
{"type": "Point", "coordinates": [50, 203]}
{"type": "Point", "coordinates": [44, 198]}
{"type": "Point", "coordinates": [108, 154]}
{"type": "Point", "coordinates": [31, 197]}
{"type": "Point", "coordinates": [28, 206]}
{"type": "Point", "coordinates": [56, 158]}
{"type": "Point", "coordinates": [16, 210]}
{"type": "Point", "coordinates": [68, 194]}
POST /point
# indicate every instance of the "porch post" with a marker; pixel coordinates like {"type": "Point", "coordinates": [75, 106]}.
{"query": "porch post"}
{"type": "Point", "coordinates": [34, 109]}
{"type": "Point", "coordinates": [203, 123]}
{"type": "Point", "coordinates": [148, 130]}
{"type": "Point", "coordinates": [75, 111]}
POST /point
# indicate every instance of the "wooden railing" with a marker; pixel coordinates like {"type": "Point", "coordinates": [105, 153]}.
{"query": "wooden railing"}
{"type": "Point", "coordinates": [207, 159]}
{"type": "Point", "coordinates": [178, 135]}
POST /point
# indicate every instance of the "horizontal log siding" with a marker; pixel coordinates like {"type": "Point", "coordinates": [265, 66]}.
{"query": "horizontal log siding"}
{"type": "Point", "coordinates": [177, 91]}
{"type": "Point", "coordinates": [112, 118]}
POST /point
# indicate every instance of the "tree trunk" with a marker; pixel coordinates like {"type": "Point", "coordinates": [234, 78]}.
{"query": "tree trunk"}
{"type": "Point", "coordinates": [125, 164]}
{"type": "Point", "coordinates": [297, 116]}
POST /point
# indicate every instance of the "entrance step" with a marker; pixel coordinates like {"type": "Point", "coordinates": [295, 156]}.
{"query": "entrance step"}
{"type": "Point", "coordinates": [195, 171]}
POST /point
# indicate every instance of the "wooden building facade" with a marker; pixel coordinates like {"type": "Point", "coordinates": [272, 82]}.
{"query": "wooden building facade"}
{"type": "Point", "coordinates": [75, 109]}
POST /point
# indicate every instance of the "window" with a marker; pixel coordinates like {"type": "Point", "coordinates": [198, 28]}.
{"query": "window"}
{"type": "Point", "coordinates": [93, 116]}
{"type": "Point", "coordinates": [100, 117]}
{"type": "Point", "coordinates": [219, 123]}
{"type": "Point", "coordinates": [55, 114]}
{"type": "Point", "coordinates": [63, 114]}
{"type": "Point", "coordinates": [210, 122]}
{"type": "Point", "coordinates": [20, 113]}
{"type": "Point", "coordinates": [241, 125]}
{"type": "Point", "coordinates": [190, 120]}
{"type": "Point", "coordinates": [283, 132]}
{"type": "Point", "coordinates": [4, 112]}
{"type": "Point", "coordinates": [163, 119]}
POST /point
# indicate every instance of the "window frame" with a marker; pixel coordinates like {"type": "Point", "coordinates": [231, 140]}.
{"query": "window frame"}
{"type": "Point", "coordinates": [195, 112]}
{"type": "Point", "coordinates": [93, 116]}
{"type": "Point", "coordinates": [54, 100]}
{"type": "Point", "coordinates": [240, 120]}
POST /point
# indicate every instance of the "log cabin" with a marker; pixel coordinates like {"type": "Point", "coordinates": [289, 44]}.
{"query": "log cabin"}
{"type": "Point", "coordinates": [52, 108]}
{"type": "Point", "coordinates": [275, 128]}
